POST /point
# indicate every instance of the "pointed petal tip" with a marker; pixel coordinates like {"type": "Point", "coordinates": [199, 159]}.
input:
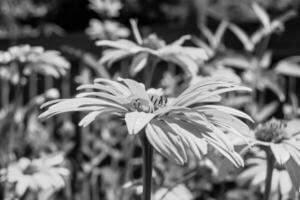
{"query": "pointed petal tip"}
{"type": "Point", "coordinates": [43, 116]}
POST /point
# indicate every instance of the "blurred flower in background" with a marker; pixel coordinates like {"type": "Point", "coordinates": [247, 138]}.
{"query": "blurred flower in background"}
{"type": "Point", "coordinates": [16, 19]}
{"type": "Point", "coordinates": [280, 139]}
{"type": "Point", "coordinates": [153, 49]}
{"type": "Point", "coordinates": [106, 30]}
{"type": "Point", "coordinates": [25, 59]}
{"type": "Point", "coordinates": [255, 175]}
{"type": "Point", "coordinates": [109, 8]}
{"type": "Point", "coordinates": [45, 174]}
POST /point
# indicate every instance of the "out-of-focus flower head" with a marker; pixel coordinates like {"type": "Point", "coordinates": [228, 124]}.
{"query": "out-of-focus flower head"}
{"type": "Point", "coordinates": [281, 139]}
{"type": "Point", "coordinates": [23, 9]}
{"type": "Point", "coordinates": [187, 57]}
{"type": "Point", "coordinates": [24, 59]}
{"type": "Point", "coordinates": [108, 29]}
{"type": "Point", "coordinates": [109, 8]}
{"type": "Point", "coordinates": [189, 122]}
{"type": "Point", "coordinates": [255, 175]}
{"type": "Point", "coordinates": [43, 174]}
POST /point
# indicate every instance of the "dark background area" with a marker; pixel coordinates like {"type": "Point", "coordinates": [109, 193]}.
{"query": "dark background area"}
{"type": "Point", "coordinates": [74, 16]}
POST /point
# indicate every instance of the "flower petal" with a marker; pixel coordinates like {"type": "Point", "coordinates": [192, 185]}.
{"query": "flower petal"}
{"type": "Point", "coordinates": [205, 89]}
{"type": "Point", "coordinates": [118, 44]}
{"type": "Point", "coordinates": [136, 121]}
{"type": "Point", "coordinates": [138, 63]}
{"type": "Point", "coordinates": [166, 141]}
{"type": "Point", "coordinates": [250, 173]}
{"type": "Point", "coordinates": [138, 89]}
{"type": "Point", "coordinates": [294, 171]}
{"type": "Point", "coordinates": [89, 118]}
{"type": "Point", "coordinates": [293, 147]}
{"type": "Point", "coordinates": [79, 104]}
{"type": "Point", "coordinates": [230, 111]}
{"type": "Point", "coordinates": [293, 127]}
{"type": "Point", "coordinates": [190, 136]}
{"type": "Point", "coordinates": [285, 183]}
{"type": "Point", "coordinates": [225, 121]}
{"type": "Point", "coordinates": [280, 153]}
{"type": "Point", "coordinates": [118, 87]}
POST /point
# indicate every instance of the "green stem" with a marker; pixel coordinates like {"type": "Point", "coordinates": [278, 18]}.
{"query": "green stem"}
{"type": "Point", "coordinates": [129, 144]}
{"type": "Point", "coordinates": [147, 166]}
{"type": "Point", "coordinates": [270, 167]}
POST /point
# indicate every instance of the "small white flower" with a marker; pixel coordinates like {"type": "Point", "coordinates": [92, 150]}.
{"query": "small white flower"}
{"type": "Point", "coordinates": [43, 174]}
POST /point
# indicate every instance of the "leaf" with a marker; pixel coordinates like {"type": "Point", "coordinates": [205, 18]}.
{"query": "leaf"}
{"type": "Point", "coordinates": [136, 121]}
{"type": "Point", "coordinates": [280, 153]}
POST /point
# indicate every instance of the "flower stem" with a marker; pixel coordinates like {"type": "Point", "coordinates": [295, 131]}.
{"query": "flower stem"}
{"type": "Point", "coordinates": [270, 167]}
{"type": "Point", "coordinates": [147, 166]}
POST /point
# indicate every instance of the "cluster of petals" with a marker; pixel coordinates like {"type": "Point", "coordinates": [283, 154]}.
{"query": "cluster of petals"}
{"type": "Point", "coordinates": [189, 58]}
{"type": "Point", "coordinates": [189, 122]}
{"type": "Point", "coordinates": [34, 59]}
{"type": "Point", "coordinates": [42, 174]}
